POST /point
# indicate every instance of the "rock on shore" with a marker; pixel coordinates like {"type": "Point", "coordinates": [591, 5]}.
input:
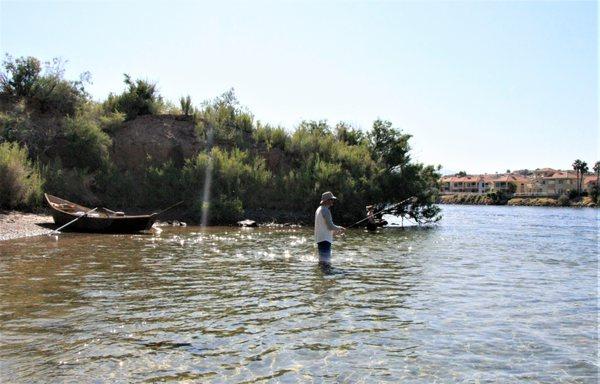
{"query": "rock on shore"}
{"type": "Point", "coordinates": [17, 224]}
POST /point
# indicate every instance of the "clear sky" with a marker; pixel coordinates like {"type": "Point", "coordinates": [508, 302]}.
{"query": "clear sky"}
{"type": "Point", "coordinates": [482, 86]}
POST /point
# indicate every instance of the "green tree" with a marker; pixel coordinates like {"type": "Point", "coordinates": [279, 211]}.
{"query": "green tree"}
{"type": "Point", "coordinates": [400, 178]}
{"type": "Point", "coordinates": [47, 92]}
{"type": "Point", "coordinates": [389, 145]}
{"type": "Point", "coordinates": [19, 76]}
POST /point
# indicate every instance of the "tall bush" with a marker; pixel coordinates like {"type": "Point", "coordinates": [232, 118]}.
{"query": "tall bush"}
{"type": "Point", "coordinates": [271, 137]}
{"type": "Point", "coordinates": [237, 181]}
{"type": "Point", "coordinates": [86, 144]}
{"type": "Point", "coordinates": [20, 180]}
{"type": "Point", "coordinates": [227, 122]}
{"type": "Point", "coordinates": [73, 184]}
{"type": "Point", "coordinates": [186, 105]}
{"type": "Point", "coordinates": [140, 98]}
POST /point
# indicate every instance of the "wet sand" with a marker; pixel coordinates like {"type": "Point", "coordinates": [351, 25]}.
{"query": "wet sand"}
{"type": "Point", "coordinates": [14, 224]}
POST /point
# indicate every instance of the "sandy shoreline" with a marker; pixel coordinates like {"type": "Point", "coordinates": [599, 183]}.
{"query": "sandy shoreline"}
{"type": "Point", "coordinates": [14, 225]}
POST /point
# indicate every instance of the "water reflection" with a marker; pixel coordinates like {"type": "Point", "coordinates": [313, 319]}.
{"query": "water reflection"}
{"type": "Point", "coordinates": [496, 294]}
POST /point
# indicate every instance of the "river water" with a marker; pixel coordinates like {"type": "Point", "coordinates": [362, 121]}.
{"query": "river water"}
{"type": "Point", "coordinates": [491, 294]}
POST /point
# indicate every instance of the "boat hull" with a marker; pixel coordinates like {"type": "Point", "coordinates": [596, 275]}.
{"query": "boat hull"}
{"type": "Point", "coordinates": [103, 225]}
{"type": "Point", "coordinates": [96, 223]}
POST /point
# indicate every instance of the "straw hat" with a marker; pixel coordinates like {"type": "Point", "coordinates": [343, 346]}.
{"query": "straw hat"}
{"type": "Point", "coordinates": [327, 196]}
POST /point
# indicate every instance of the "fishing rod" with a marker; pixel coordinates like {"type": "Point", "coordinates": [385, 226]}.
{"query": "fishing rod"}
{"type": "Point", "coordinates": [167, 209]}
{"type": "Point", "coordinates": [385, 209]}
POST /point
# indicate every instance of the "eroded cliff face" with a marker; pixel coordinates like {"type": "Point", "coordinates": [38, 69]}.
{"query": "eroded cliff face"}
{"type": "Point", "coordinates": [154, 140]}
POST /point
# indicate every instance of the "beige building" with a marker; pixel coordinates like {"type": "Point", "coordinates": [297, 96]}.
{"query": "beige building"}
{"type": "Point", "coordinates": [502, 183]}
{"type": "Point", "coordinates": [589, 182]}
{"type": "Point", "coordinates": [482, 184]}
{"type": "Point", "coordinates": [541, 182]}
{"type": "Point", "coordinates": [556, 184]}
{"type": "Point", "coordinates": [460, 184]}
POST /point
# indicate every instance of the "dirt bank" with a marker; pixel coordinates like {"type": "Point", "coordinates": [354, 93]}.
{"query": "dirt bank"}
{"type": "Point", "coordinates": [17, 224]}
{"type": "Point", "coordinates": [155, 140]}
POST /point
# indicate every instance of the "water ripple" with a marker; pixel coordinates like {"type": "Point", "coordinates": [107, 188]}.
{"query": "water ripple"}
{"type": "Point", "coordinates": [493, 294]}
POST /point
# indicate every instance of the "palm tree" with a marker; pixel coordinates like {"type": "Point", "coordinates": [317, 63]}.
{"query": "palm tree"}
{"type": "Point", "coordinates": [583, 169]}
{"type": "Point", "coordinates": [576, 166]}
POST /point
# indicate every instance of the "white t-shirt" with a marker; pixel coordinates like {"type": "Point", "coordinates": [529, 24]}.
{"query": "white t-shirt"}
{"type": "Point", "coordinates": [324, 226]}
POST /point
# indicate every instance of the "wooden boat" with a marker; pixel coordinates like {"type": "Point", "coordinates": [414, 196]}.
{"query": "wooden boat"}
{"type": "Point", "coordinates": [102, 220]}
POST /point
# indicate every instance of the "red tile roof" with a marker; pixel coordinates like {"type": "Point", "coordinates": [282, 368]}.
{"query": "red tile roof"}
{"type": "Point", "coordinates": [562, 175]}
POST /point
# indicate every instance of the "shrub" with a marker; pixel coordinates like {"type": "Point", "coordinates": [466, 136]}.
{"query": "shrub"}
{"type": "Point", "coordinates": [272, 137]}
{"type": "Point", "coordinates": [572, 193]}
{"type": "Point", "coordinates": [595, 193]}
{"type": "Point", "coordinates": [70, 183]}
{"type": "Point", "coordinates": [564, 201]}
{"type": "Point", "coordinates": [95, 112]}
{"type": "Point", "coordinates": [51, 94]}
{"type": "Point", "coordinates": [228, 123]}
{"type": "Point", "coordinates": [186, 105]}
{"type": "Point", "coordinates": [111, 122]}
{"type": "Point", "coordinates": [20, 180]}
{"type": "Point", "coordinates": [12, 126]}
{"type": "Point", "coordinates": [237, 174]}
{"type": "Point", "coordinates": [163, 185]}
{"type": "Point", "coordinates": [86, 145]}
{"type": "Point", "coordinates": [140, 98]}
{"type": "Point", "coordinates": [496, 197]}
{"type": "Point", "coordinates": [224, 210]}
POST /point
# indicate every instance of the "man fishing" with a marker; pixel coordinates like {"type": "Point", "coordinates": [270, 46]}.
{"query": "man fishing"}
{"type": "Point", "coordinates": [374, 220]}
{"type": "Point", "coordinates": [325, 228]}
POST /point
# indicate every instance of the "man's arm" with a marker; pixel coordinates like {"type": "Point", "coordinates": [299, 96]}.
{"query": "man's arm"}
{"type": "Point", "coordinates": [329, 221]}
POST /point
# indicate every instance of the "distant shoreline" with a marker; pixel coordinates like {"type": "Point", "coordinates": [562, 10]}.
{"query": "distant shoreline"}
{"type": "Point", "coordinates": [476, 199]}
